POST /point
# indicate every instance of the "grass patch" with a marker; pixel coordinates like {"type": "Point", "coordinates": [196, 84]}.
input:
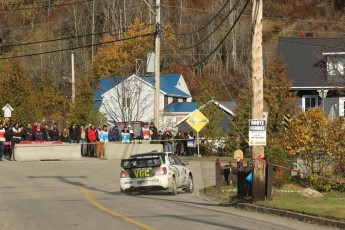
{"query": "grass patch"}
{"type": "Point", "coordinates": [331, 206]}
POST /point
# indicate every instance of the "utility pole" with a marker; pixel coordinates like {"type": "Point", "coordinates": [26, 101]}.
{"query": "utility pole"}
{"type": "Point", "coordinates": [258, 98]}
{"type": "Point", "coordinates": [73, 78]}
{"type": "Point", "coordinates": [157, 64]}
{"type": "Point", "coordinates": [93, 30]}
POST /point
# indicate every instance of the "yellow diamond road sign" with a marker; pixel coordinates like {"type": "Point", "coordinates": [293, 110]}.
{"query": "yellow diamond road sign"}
{"type": "Point", "coordinates": [197, 120]}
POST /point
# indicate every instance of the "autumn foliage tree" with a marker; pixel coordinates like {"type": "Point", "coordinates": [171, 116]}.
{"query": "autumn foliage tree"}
{"type": "Point", "coordinates": [307, 135]}
{"type": "Point", "coordinates": [336, 145]}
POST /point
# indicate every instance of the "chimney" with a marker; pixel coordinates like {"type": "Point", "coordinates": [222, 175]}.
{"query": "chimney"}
{"type": "Point", "coordinates": [304, 34]}
{"type": "Point", "coordinates": [309, 34]}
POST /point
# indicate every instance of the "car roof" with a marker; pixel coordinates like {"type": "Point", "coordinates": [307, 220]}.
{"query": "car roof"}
{"type": "Point", "coordinates": [141, 155]}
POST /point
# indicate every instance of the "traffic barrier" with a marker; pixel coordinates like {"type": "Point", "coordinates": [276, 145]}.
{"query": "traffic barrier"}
{"type": "Point", "coordinates": [41, 152]}
{"type": "Point", "coordinates": [124, 150]}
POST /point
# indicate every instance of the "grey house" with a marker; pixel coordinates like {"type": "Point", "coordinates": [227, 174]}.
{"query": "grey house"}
{"type": "Point", "coordinates": [316, 66]}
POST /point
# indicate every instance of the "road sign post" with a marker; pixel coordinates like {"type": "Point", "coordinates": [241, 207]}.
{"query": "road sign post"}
{"type": "Point", "coordinates": [197, 121]}
{"type": "Point", "coordinates": [257, 133]}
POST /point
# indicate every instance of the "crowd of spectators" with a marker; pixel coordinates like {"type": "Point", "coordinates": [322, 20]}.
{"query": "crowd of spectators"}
{"type": "Point", "coordinates": [92, 138]}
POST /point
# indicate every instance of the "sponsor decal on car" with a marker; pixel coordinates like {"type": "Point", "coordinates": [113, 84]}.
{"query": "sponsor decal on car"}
{"type": "Point", "coordinates": [142, 172]}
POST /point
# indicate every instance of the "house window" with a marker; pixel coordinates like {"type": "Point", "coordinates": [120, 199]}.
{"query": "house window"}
{"type": "Point", "coordinates": [335, 64]}
{"type": "Point", "coordinates": [170, 100]}
{"type": "Point", "coordinates": [342, 106]}
{"type": "Point", "coordinates": [165, 101]}
{"type": "Point", "coordinates": [126, 102]}
{"type": "Point", "coordinates": [309, 101]}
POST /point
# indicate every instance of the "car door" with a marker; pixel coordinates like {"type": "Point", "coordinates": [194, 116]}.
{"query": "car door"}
{"type": "Point", "coordinates": [180, 168]}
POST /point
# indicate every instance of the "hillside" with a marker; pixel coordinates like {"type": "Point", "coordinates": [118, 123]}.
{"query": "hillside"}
{"type": "Point", "coordinates": [46, 32]}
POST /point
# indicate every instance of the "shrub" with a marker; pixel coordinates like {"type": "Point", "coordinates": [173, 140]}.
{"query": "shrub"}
{"type": "Point", "coordinates": [276, 155]}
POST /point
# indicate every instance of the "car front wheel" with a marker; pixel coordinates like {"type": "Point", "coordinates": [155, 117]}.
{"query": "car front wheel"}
{"type": "Point", "coordinates": [190, 184]}
{"type": "Point", "coordinates": [173, 190]}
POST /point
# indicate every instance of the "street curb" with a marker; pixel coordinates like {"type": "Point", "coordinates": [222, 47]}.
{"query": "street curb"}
{"type": "Point", "coordinates": [291, 215]}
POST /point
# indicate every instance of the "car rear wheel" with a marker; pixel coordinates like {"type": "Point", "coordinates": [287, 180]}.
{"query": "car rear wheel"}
{"type": "Point", "coordinates": [190, 184]}
{"type": "Point", "coordinates": [173, 187]}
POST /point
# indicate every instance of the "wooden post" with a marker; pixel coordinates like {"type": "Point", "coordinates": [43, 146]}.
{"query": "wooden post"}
{"type": "Point", "coordinates": [257, 107]}
{"type": "Point", "coordinates": [157, 65]}
{"type": "Point", "coordinates": [219, 178]}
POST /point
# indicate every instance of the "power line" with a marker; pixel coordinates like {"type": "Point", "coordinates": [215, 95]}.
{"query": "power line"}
{"type": "Point", "coordinates": [302, 20]}
{"type": "Point", "coordinates": [72, 37]}
{"type": "Point", "coordinates": [340, 46]}
{"type": "Point", "coordinates": [209, 35]}
{"type": "Point", "coordinates": [227, 90]}
{"type": "Point", "coordinates": [207, 24]}
{"type": "Point", "coordinates": [213, 51]}
{"type": "Point", "coordinates": [265, 17]}
{"type": "Point", "coordinates": [77, 47]}
{"type": "Point", "coordinates": [40, 8]}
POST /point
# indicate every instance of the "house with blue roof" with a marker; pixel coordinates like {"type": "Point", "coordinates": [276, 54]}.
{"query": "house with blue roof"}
{"type": "Point", "coordinates": [181, 114]}
{"type": "Point", "coordinates": [123, 99]}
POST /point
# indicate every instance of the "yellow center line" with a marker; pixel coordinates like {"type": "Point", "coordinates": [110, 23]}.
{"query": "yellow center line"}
{"type": "Point", "coordinates": [101, 207]}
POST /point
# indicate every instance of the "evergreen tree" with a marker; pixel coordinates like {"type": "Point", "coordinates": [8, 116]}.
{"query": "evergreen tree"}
{"type": "Point", "coordinates": [52, 101]}
{"type": "Point", "coordinates": [84, 110]}
{"type": "Point", "coordinates": [211, 132]}
{"type": "Point", "coordinates": [17, 89]}
{"type": "Point", "coordinates": [279, 100]}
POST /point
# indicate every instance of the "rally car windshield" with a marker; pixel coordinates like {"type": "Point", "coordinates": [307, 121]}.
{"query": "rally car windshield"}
{"type": "Point", "coordinates": [143, 161]}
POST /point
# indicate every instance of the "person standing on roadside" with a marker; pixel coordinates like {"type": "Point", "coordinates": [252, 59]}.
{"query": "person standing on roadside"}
{"type": "Point", "coordinates": [8, 139]}
{"type": "Point", "coordinates": [16, 136]}
{"type": "Point", "coordinates": [125, 135]}
{"type": "Point", "coordinates": [114, 134]}
{"type": "Point", "coordinates": [190, 143]}
{"type": "Point", "coordinates": [92, 136]}
{"type": "Point", "coordinates": [28, 134]}
{"type": "Point", "coordinates": [65, 135]}
{"type": "Point", "coordinates": [74, 134]}
{"type": "Point", "coordinates": [178, 139]}
{"type": "Point", "coordinates": [145, 132]}
{"type": "Point", "coordinates": [46, 133]}
{"type": "Point", "coordinates": [83, 141]}
{"type": "Point", "coordinates": [38, 133]}
{"type": "Point", "coordinates": [153, 133]}
{"type": "Point", "coordinates": [55, 133]}
{"type": "Point", "coordinates": [2, 140]}
{"type": "Point", "coordinates": [167, 136]}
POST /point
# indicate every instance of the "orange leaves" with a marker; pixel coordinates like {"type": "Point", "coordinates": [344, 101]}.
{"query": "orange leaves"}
{"type": "Point", "coordinates": [118, 57]}
{"type": "Point", "coordinates": [307, 132]}
{"type": "Point", "coordinates": [312, 134]}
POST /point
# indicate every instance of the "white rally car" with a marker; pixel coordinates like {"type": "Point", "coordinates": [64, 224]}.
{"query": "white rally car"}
{"type": "Point", "coordinates": [155, 171]}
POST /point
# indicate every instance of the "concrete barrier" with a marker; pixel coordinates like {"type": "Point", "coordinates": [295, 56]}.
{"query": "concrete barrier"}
{"type": "Point", "coordinates": [39, 152]}
{"type": "Point", "coordinates": [123, 150]}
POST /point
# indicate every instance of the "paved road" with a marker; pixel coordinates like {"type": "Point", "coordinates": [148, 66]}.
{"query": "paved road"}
{"type": "Point", "coordinates": [85, 195]}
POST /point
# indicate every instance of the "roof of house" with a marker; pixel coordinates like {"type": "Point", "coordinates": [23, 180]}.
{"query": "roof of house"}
{"type": "Point", "coordinates": [306, 63]}
{"type": "Point", "coordinates": [181, 107]}
{"type": "Point", "coordinates": [168, 84]}
{"type": "Point", "coordinates": [105, 84]}
{"type": "Point", "coordinates": [224, 105]}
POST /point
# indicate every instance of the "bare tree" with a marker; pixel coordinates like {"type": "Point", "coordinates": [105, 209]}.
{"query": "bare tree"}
{"type": "Point", "coordinates": [129, 100]}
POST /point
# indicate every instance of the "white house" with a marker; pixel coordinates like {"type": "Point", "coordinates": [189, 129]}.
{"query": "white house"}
{"type": "Point", "coordinates": [122, 99]}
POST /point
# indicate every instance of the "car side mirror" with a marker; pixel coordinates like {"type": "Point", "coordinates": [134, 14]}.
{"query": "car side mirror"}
{"type": "Point", "coordinates": [185, 162]}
